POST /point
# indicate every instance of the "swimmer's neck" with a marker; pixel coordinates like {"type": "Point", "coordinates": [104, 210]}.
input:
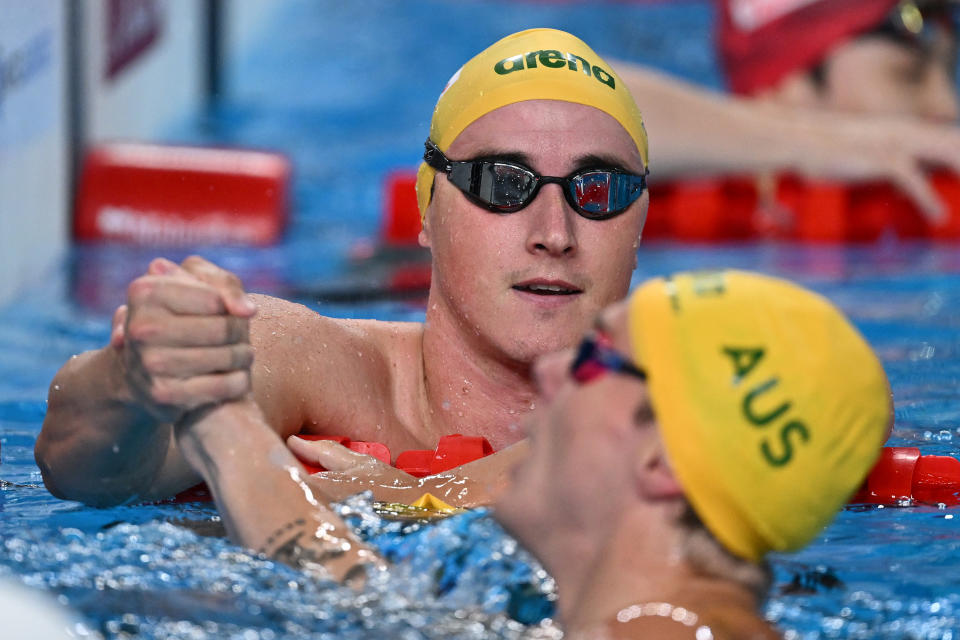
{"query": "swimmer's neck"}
{"type": "Point", "coordinates": [641, 562]}
{"type": "Point", "coordinates": [468, 389]}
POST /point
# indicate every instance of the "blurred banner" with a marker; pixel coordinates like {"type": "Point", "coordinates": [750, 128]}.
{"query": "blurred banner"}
{"type": "Point", "coordinates": [133, 26]}
{"type": "Point", "coordinates": [34, 148]}
{"type": "Point", "coordinates": [142, 70]}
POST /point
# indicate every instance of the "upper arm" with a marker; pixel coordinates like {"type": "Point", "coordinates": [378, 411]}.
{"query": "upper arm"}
{"type": "Point", "coordinates": [310, 369]}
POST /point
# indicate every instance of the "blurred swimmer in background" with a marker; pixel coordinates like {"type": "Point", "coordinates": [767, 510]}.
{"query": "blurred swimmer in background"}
{"type": "Point", "coordinates": [835, 89]}
{"type": "Point", "coordinates": [708, 420]}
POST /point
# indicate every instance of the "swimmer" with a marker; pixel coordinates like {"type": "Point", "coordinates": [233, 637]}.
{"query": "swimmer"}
{"type": "Point", "coordinates": [533, 201]}
{"type": "Point", "coordinates": [712, 418]}
{"type": "Point", "coordinates": [823, 89]}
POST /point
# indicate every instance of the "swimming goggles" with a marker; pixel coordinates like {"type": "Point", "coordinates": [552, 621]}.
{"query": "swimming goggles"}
{"type": "Point", "coordinates": [596, 356]}
{"type": "Point", "coordinates": [506, 187]}
{"type": "Point", "coordinates": [915, 21]}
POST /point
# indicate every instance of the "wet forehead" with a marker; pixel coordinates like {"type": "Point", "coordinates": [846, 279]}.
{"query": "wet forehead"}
{"type": "Point", "coordinates": [549, 132]}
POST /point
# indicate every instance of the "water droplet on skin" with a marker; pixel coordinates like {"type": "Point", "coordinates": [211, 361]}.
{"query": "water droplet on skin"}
{"type": "Point", "coordinates": [56, 387]}
{"type": "Point", "coordinates": [459, 414]}
{"type": "Point", "coordinates": [446, 405]}
{"type": "Point", "coordinates": [533, 405]}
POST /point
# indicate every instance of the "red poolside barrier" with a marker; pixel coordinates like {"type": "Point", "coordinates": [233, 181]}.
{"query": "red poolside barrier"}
{"type": "Point", "coordinates": [152, 194]}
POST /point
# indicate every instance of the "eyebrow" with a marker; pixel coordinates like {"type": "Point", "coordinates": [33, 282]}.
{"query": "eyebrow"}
{"type": "Point", "coordinates": [644, 414]}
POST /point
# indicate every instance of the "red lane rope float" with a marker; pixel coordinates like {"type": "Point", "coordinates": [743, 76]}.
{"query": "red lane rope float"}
{"type": "Point", "coordinates": [743, 208]}
{"type": "Point", "coordinates": [452, 451]}
{"type": "Point", "coordinates": [902, 473]}
{"type": "Point", "coordinates": [788, 207]}
{"type": "Point", "coordinates": [174, 195]}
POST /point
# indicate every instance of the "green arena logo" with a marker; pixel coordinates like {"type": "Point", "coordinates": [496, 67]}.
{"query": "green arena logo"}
{"type": "Point", "coordinates": [762, 410]}
{"type": "Point", "coordinates": [553, 59]}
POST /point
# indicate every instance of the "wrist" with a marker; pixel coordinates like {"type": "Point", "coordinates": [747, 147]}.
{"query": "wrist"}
{"type": "Point", "coordinates": [208, 421]}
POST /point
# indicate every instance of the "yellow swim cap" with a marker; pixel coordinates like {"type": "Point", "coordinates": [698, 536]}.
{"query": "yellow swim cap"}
{"type": "Point", "coordinates": [537, 64]}
{"type": "Point", "coordinates": [772, 408]}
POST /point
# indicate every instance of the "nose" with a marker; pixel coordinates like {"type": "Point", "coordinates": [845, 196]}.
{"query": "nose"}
{"type": "Point", "coordinates": [550, 372]}
{"type": "Point", "coordinates": [552, 224]}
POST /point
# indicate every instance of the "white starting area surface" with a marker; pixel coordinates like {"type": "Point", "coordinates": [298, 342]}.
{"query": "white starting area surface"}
{"type": "Point", "coordinates": [29, 614]}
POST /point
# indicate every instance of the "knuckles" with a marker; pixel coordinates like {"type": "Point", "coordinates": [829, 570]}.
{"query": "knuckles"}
{"type": "Point", "coordinates": [140, 330]}
{"type": "Point", "coordinates": [141, 290]}
{"type": "Point", "coordinates": [209, 271]}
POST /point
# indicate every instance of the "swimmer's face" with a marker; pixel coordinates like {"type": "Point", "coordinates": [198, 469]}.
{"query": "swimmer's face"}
{"type": "Point", "coordinates": [588, 443]}
{"type": "Point", "coordinates": [530, 282]}
{"type": "Point", "coordinates": [878, 75]}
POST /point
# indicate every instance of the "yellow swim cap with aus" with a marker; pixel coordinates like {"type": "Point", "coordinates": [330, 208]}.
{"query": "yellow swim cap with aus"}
{"type": "Point", "coordinates": [772, 408]}
{"type": "Point", "coordinates": [536, 64]}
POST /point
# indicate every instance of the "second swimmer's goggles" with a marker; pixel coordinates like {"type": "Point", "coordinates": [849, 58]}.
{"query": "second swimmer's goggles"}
{"type": "Point", "coordinates": [596, 356]}
{"type": "Point", "coordinates": [505, 187]}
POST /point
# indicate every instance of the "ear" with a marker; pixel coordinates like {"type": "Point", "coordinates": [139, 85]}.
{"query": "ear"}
{"type": "Point", "coordinates": [423, 238]}
{"type": "Point", "coordinates": [654, 477]}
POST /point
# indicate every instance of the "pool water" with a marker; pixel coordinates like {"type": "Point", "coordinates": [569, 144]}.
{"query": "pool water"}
{"type": "Point", "coordinates": [342, 101]}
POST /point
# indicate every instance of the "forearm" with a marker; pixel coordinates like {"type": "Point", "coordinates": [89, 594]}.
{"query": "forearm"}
{"type": "Point", "coordinates": [698, 131]}
{"type": "Point", "coordinates": [97, 444]}
{"type": "Point", "coordinates": [477, 483]}
{"type": "Point", "coordinates": [262, 497]}
{"type": "Point", "coordinates": [473, 484]}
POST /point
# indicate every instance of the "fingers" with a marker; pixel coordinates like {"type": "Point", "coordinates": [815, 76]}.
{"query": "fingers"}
{"type": "Point", "coordinates": [915, 185]}
{"type": "Point", "coordinates": [117, 327]}
{"type": "Point", "coordinates": [188, 331]}
{"type": "Point", "coordinates": [197, 391]}
{"type": "Point", "coordinates": [185, 336]}
{"type": "Point", "coordinates": [162, 267]}
{"type": "Point", "coordinates": [329, 454]}
{"type": "Point", "coordinates": [176, 295]}
{"type": "Point", "coordinates": [226, 283]}
{"type": "Point", "coordinates": [177, 362]}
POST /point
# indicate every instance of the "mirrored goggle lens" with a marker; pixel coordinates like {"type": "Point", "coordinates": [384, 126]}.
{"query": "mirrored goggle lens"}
{"type": "Point", "coordinates": [605, 192]}
{"type": "Point", "coordinates": [505, 187]}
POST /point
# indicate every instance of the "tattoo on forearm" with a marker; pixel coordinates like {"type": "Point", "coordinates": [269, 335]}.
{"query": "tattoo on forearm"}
{"type": "Point", "coordinates": [298, 545]}
{"type": "Point", "coordinates": [296, 526]}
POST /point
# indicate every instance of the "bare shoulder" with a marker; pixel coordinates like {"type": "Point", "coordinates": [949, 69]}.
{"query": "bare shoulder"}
{"type": "Point", "coordinates": [312, 369]}
{"type": "Point", "coordinates": [288, 328]}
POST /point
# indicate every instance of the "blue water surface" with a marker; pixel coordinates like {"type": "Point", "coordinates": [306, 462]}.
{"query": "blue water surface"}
{"type": "Point", "coordinates": [346, 90]}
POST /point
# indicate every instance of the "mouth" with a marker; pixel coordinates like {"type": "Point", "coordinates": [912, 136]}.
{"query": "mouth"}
{"type": "Point", "coordinates": [548, 288]}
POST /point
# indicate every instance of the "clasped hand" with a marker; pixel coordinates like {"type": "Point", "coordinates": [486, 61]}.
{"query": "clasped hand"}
{"type": "Point", "coordinates": [183, 337]}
